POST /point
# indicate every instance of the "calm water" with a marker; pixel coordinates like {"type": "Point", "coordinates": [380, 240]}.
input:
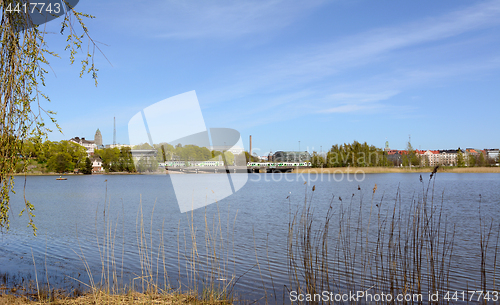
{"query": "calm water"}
{"type": "Point", "coordinates": [75, 216]}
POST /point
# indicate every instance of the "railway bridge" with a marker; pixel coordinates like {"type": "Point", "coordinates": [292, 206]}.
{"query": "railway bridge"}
{"type": "Point", "coordinates": [252, 167]}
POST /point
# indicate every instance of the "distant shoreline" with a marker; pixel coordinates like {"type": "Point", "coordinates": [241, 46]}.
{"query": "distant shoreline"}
{"type": "Point", "coordinates": [390, 170]}
{"type": "Point", "coordinates": [331, 170]}
{"type": "Point", "coordinates": [72, 174]}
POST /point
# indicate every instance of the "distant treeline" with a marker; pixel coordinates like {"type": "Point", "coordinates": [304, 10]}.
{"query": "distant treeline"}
{"type": "Point", "coordinates": [66, 156]}
{"type": "Point", "coordinates": [361, 155]}
{"type": "Point", "coordinates": [355, 154]}
{"type": "Point", "coordinates": [50, 156]}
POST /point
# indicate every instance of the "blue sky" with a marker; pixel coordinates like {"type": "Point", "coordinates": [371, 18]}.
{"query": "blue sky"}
{"type": "Point", "coordinates": [318, 72]}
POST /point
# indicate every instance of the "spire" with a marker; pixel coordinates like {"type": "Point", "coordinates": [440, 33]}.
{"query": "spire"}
{"type": "Point", "coordinates": [98, 138]}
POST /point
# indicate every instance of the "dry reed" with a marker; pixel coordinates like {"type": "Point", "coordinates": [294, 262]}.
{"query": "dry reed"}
{"type": "Point", "coordinates": [400, 249]}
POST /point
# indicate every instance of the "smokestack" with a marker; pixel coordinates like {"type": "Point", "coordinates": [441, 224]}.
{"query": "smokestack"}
{"type": "Point", "coordinates": [250, 145]}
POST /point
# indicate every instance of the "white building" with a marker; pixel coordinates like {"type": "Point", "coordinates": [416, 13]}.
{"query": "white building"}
{"type": "Point", "coordinates": [492, 153]}
{"type": "Point", "coordinates": [118, 145]}
{"type": "Point", "coordinates": [90, 146]}
{"type": "Point", "coordinates": [431, 157]}
{"type": "Point", "coordinates": [448, 157]}
{"type": "Point", "coordinates": [97, 165]}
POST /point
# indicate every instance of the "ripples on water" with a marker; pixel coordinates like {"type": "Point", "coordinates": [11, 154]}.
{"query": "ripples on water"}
{"type": "Point", "coordinates": [74, 216]}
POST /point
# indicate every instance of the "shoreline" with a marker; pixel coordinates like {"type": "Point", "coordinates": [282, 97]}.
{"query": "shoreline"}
{"type": "Point", "coordinates": [330, 170]}
{"type": "Point", "coordinates": [393, 170]}
{"type": "Point", "coordinates": [72, 174]}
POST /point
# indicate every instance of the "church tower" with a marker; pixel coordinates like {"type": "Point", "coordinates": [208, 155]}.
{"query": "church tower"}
{"type": "Point", "coordinates": [98, 138]}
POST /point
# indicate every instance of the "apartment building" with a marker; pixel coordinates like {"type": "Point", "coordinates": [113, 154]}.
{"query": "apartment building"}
{"type": "Point", "coordinates": [90, 146]}
{"type": "Point", "coordinates": [430, 157]}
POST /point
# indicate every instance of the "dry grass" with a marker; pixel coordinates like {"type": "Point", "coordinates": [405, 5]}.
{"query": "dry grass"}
{"type": "Point", "coordinates": [384, 170]}
{"type": "Point", "coordinates": [102, 297]}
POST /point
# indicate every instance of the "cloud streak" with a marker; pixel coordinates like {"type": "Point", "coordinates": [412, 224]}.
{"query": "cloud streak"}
{"type": "Point", "coordinates": [350, 108]}
{"type": "Point", "coordinates": [216, 19]}
{"type": "Point", "coordinates": [315, 68]}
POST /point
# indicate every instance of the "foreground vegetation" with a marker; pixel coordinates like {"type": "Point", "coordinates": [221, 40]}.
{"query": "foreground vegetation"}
{"type": "Point", "coordinates": [106, 298]}
{"type": "Point", "coordinates": [355, 244]}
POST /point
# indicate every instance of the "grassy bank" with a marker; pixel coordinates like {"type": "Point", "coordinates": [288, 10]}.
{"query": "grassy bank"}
{"type": "Point", "coordinates": [386, 170]}
{"type": "Point", "coordinates": [105, 298]}
{"type": "Point", "coordinates": [102, 297]}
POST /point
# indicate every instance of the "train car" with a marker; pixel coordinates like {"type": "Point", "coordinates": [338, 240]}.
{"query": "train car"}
{"type": "Point", "coordinates": [280, 164]}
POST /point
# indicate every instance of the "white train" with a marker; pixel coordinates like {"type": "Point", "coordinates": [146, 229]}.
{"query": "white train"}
{"type": "Point", "coordinates": [279, 164]}
{"type": "Point", "coordinates": [192, 163]}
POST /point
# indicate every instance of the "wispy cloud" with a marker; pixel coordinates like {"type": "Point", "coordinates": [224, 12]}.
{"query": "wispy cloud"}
{"type": "Point", "coordinates": [345, 102]}
{"type": "Point", "coordinates": [333, 58]}
{"type": "Point", "coordinates": [216, 19]}
{"type": "Point", "coordinates": [362, 97]}
{"type": "Point", "coordinates": [350, 108]}
{"type": "Point", "coordinates": [353, 74]}
{"type": "Point", "coordinates": [318, 68]}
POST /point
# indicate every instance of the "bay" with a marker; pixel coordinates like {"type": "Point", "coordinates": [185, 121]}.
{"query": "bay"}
{"type": "Point", "coordinates": [131, 226]}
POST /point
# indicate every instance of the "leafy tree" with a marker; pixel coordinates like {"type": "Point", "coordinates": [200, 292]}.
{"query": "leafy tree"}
{"type": "Point", "coordinates": [61, 163]}
{"type": "Point", "coordinates": [147, 164]}
{"type": "Point", "coordinates": [115, 160]}
{"type": "Point", "coordinates": [23, 58]}
{"type": "Point", "coordinates": [229, 157]}
{"type": "Point", "coordinates": [126, 161]}
{"type": "Point", "coordinates": [248, 157]}
{"type": "Point", "coordinates": [355, 154]}
{"type": "Point", "coordinates": [460, 158]}
{"type": "Point", "coordinates": [472, 160]}
{"type": "Point", "coordinates": [481, 160]}
{"type": "Point", "coordinates": [87, 169]}
{"type": "Point", "coordinates": [317, 160]}
{"type": "Point", "coordinates": [411, 158]}
{"type": "Point", "coordinates": [143, 146]}
{"type": "Point", "coordinates": [64, 156]}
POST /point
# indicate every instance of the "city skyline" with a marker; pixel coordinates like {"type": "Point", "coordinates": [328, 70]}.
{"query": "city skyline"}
{"type": "Point", "coordinates": [321, 73]}
{"type": "Point", "coordinates": [264, 153]}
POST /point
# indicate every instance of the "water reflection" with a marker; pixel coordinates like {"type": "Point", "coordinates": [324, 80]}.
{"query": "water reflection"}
{"type": "Point", "coordinates": [132, 223]}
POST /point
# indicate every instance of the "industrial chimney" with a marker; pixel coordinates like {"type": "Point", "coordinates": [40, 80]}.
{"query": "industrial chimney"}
{"type": "Point", "coordinates": [250, 150]}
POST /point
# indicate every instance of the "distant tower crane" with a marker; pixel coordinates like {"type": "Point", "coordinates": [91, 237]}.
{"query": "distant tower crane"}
{"type": "Point", "coordinates": [114, 130]}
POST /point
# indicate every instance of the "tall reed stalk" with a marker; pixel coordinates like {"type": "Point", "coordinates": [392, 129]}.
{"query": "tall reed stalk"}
{"type": "Point", "coordinates": [403, 248]}
{"type": "Point", "coordinates": [203, 275]}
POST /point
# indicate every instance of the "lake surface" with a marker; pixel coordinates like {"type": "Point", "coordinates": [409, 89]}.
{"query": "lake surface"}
{"type": "Point", "coordinates": [96, 220]}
